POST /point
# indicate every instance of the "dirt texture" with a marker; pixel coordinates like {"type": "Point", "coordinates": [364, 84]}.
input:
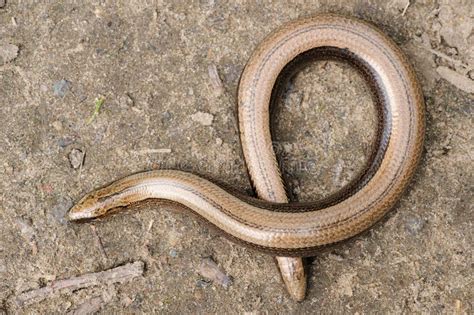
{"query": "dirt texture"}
{"type": "Point", "coordinates": [169, 71]}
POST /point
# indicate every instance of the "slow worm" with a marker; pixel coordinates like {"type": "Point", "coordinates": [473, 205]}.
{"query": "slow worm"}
{"type": "Point", "coordinates": [274, 225]}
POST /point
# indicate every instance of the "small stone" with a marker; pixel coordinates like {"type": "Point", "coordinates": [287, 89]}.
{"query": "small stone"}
{"type": "Point", "coordinates": [126, 101]}
{"type": "Point", "coordinates": [64, 142]}
{"type": "Point", "coordinates": [414, 225]}
{"type": "Point", "coordinates": [470, 74]}
{"type": "Point", "coordinates": [418, 32]}
{"type": "Point", "coordinates": [209, 269]}
{"type": "Point", "coordinates": [452, 51]}
{"type": "Point", "coordinates": [335, 257]}
{"type": "Point", "coordinates": [345, 284]}
{"type": "Point", "coordinates": [59, 211]}
{"type": "Point", "coordinates": [173, 253]}
{"type": "Point", "coordinates": [201, 283]}
{"type": "Point", "coordinates": [166, 117]}
{"type": "Point", "coordinates": [76, 158]}
{"type": "Point", "coordinates": [2, 5]}
{"type": "Point", "coordinates": [26, 229]}
{"type": "Point", "coordinates": [57, 125]}
{"type": "Point", "coordinates": [204, 119]}
{"type": "Point", "coordinates": [219, 141]}
{"type": "Point", "coordinates": [8, 52]}
{"type": "Point", "coordinates": [61, 87]}
{"type": "Point", "coordinates": [8, 169]}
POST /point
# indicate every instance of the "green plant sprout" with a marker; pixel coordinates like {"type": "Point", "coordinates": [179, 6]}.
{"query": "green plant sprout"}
{"type": "Point", "coordinates": [99, 101]}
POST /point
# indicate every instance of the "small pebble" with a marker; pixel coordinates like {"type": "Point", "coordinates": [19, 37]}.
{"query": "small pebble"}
{"type": "Point", "coordinates": [470, 74]}
{"type": "Point", "coordinates": [414, 225]}
{"type": "Point", "coordinates": [26, 229]}
{"type": "Point", "coordinates": [8, 52]}
{"type": "Point", "coordinates": [209, 269]}
{"type": "Point", "coordinates": [335, 257]}
{"type": "Point", "coordinates": [76, 158]}
{"type": "Point", "coordinates": [173, 253]}
{"type": "Point", "coordinates": [452, 51]}
{"type": "Point", "coordinates": [201, 283]}
{"type": "Point", "coordinates": [204, 119]}
{"type": "Point", "coordinates": [126, 101]}
{"type": "Point", "coordinates": [61, 87]}
{"type": "Point", "coordinates": [166, 117]}
{"type": "Point", "coordinates": [64, 142]}
{"type": "Point", "coordinates": [59, 210]}
{"type": "Point", "coordinates": [57, 125]}
{"type": "Point", "coordinates": [2, 5]}
{"type": "Point", "coordinates": [8, 169]}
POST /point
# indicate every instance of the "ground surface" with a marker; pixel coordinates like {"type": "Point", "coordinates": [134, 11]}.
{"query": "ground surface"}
{"type": "Point", "coordinates": [150, 60]}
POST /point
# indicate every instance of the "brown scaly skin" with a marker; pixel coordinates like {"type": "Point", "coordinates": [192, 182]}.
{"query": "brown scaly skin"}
{"type": "Point", "coordinates": [295, 230]}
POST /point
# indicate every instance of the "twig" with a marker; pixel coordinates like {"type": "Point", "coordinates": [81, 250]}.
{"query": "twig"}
{"type": "Point", "coordinates": [216, 81]}
{"type": "Point", "coordinates": [146, 251]}
{"type": "Point", "coordinates": [406, 7]}
{"type": "Point", "coordinates": [116, 275]}
{"type": "Point", "coordinates": [150, 151]}
{"type": "Point", "coordinates": [446, 57]}
{"type": "Point", "coordinates": [458, 80]}
{"type": "Point", "coordinates": [148, 234]}
{"type": "Point", "coordinates": [80, 167]}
